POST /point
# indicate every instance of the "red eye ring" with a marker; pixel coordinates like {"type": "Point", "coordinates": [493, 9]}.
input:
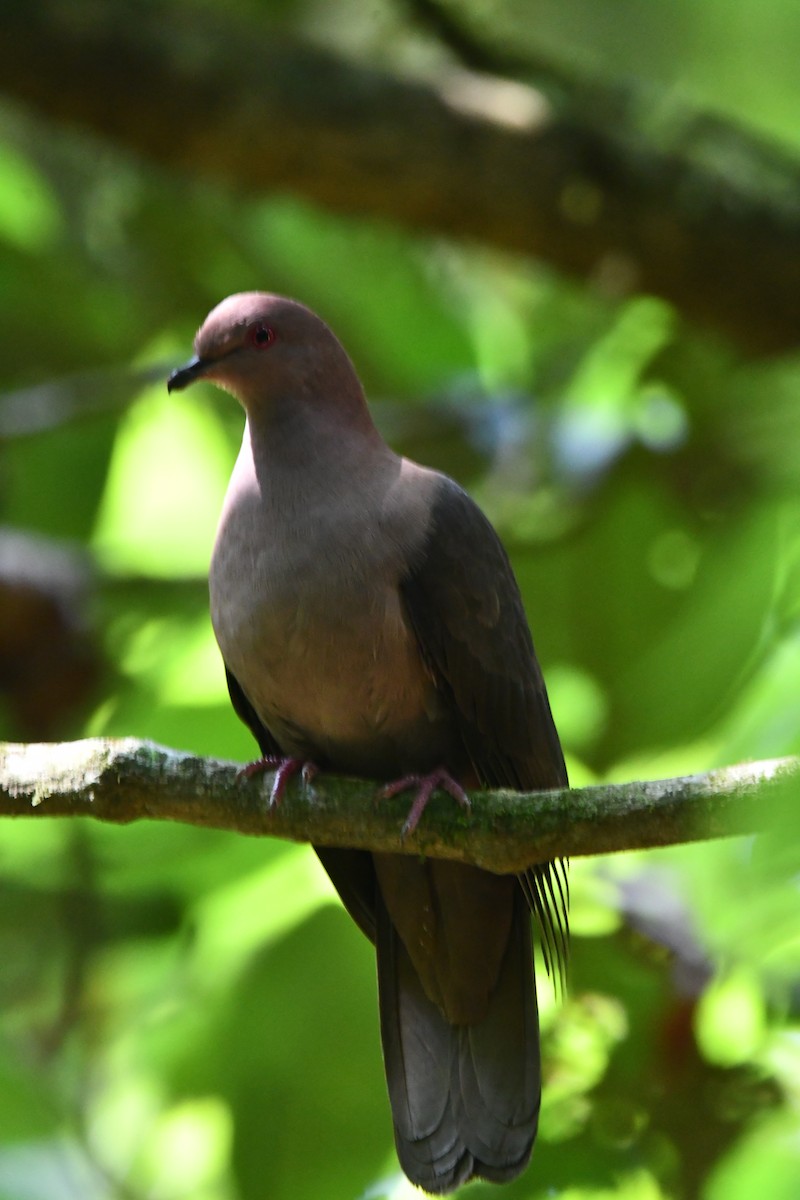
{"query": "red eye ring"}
{"type": "Point", "coordinates": [262, 336]}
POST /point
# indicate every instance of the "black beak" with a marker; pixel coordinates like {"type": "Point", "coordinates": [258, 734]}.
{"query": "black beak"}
{"type": "Point", "coordinates": [186, 374]}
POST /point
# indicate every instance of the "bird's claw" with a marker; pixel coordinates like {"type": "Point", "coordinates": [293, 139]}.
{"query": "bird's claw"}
{"type": "Point", "coordinates": [251, 769]}
{"type": "Point", "coordinates": [285, 768]}
{"type": "Point", "coordinates": [425, 785]}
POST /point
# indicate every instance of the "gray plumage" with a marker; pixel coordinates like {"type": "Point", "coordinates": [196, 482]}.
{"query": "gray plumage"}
{"type": "Point", "coordinates": [370, 622]}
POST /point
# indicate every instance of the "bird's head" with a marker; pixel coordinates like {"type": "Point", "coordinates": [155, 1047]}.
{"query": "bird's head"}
{"type": "Point", "coordinates": [271, 352]}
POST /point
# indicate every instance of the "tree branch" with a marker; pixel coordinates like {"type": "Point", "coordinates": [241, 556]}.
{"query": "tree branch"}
{"type": "Point", "coordinates": [598, 182]}
{"type": "Point", "coordinates": [127, 780]}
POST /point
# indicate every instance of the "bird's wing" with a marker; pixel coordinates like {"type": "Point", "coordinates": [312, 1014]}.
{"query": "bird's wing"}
{"type": "Point", "coordinates": [464, 606]}
{"type": "Point", "coordinates": [246, 713]}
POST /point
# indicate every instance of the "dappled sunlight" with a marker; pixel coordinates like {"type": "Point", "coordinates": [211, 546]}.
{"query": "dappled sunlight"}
{"type": "Point", "coordinates": [178, 659]}
{"type": "Point", "coordinates": [165, 486]}
{"type": "Point", "coordinates": [236, 921]}
{"type": "Point", "coordinates": [731, 1019]}
{"type": "Point", "coordinates": [30, 217]}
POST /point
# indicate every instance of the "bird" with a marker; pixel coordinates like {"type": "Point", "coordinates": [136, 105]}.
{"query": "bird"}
{"type": "Point", "coordinates": [371, 625]}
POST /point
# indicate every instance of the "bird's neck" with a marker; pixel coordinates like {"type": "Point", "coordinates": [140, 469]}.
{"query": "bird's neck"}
{"type": "Point", "coordinates": [309, 451]}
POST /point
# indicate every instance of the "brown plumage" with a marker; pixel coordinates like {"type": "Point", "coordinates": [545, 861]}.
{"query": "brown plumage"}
{"type": "Point", "coordinates": [370, 622]}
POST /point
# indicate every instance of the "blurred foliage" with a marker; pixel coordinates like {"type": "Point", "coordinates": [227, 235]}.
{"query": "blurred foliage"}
{"type": "Point", "coordinates": [188, 1014]}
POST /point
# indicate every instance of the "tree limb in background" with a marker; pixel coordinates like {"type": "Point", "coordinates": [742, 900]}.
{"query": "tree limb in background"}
{"type": "Point", "coordinates": [125, 780]}
{"type": "Point", "coordinates": [595, 181]}
{"type": "Point", "coordinates": [451, 28]}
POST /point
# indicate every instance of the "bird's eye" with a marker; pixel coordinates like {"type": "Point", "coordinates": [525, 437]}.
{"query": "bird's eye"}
{"type": "Point", "coordinates": [262, 336]}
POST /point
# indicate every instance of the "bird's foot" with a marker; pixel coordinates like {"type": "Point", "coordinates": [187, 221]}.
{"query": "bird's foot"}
{"type": "Point", "coordinates": [285, 768]}
{"type": "Point", "coordinates": [426, 785]}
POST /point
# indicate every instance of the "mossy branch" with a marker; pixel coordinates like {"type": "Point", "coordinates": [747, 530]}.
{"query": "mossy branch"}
{"type": "Point", "coordinates": [128, 780]}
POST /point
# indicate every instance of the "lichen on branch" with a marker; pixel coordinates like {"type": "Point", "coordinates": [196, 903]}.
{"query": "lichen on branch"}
{"type": "Point", "coordinates": [124, 780]}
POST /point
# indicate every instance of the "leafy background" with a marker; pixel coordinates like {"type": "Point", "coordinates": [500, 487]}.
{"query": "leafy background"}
{"type": "Point", "coordinates": [190, 1014]}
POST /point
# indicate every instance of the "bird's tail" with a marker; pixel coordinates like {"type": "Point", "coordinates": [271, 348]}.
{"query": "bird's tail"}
{"type": "Point", "coordinates": [465, 1098]}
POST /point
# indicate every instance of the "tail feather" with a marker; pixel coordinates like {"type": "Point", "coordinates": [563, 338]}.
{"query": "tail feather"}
{"type": "Point", "coordinates": [465, 1098]}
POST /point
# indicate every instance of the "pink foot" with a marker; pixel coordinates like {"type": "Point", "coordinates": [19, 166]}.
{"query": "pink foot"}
{"type": "Point", "coordinates": [426, 785]}
{"type": "Point", "coordinates": [285, 768]}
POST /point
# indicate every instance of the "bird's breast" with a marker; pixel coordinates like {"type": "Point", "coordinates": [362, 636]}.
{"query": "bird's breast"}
{"type": "Point", "coordinates": [309, 619]}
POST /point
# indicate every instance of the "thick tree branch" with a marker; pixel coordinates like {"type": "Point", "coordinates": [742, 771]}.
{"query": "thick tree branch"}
{"type": "Point", "coordinates": [126, 780]}
{"type": "Point", "coordinates": [594, 182]}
